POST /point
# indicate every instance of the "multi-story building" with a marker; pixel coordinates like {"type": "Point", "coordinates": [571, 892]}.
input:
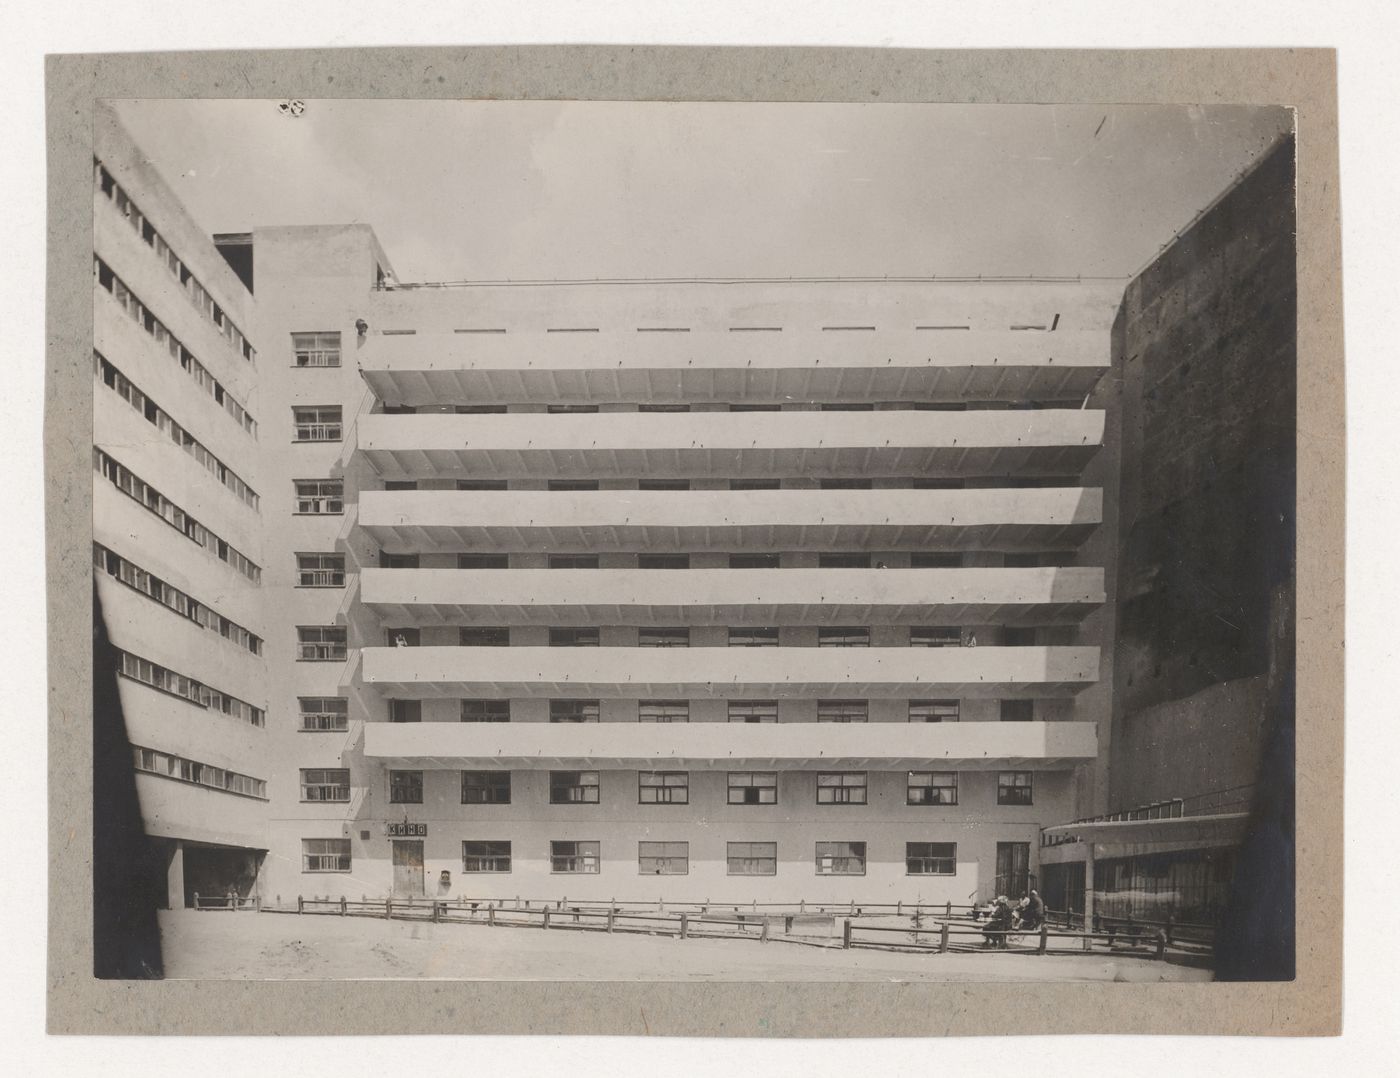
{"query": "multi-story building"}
{"type": "Point", "coordinates": [178, 522]}
{"type": "Point", "coordinates": [686, 590]}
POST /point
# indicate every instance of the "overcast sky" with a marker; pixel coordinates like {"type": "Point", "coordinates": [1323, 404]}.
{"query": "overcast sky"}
{"type": "Point", "coordinates": [544, 190]}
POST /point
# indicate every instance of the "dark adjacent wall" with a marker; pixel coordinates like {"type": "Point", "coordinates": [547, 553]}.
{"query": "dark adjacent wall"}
{"type": "Point", "coordinates": [1205, 345]}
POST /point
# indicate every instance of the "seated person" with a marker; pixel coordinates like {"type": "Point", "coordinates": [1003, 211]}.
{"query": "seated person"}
{"type": "Point", "coordinates": [998, 924]}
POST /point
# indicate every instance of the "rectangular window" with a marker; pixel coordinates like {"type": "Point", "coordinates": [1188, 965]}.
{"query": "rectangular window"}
{"type": "Point", "coordinates": [486, 711]}
{"type": "Point", "coordinates": [935, 636]}
{"type": "Point", "coordinates": [320, 570]}
{"type": "Point", "coordinates": [317, 423]}
{"type": "Point", "coordinates": [663, 858]}
{"type": "Point", "coordinates": [482, 484]}
{"type": "Point", "coordinates": [843, 561]}
{"type": "Point", "coordinates": [320, 497]}
{"type": "Point", "coordinates": [755, 484]}
{"type": "Point", "coordinates": [405, 787]}
{"type": "Point", "coordinates": [573, 561]}
{"type": "Point", "coordinates": [843, 711]}
{"type": "Point", "coordinates": [483, 561]}
{"type": "Point", "coordinates": [663, 711]}
{"type": "Point", "coordinates": [486, 787]}
{"type": "Point", "coordinates": [585, 636]}
{"type": "Point", "coordinates": [405, 710]}
{"type": "Point", "coordinates": [935, 559]}
{"type": "Point", "coordinates": [753, 711]}
{"type": "Point", "coordinates": [1017, 710]}
{"type": "Point", "coordinates": [574, 857]}
{"type": "Point", "coordinates": [933, 710]}
{"type": "Point", "coordinates": [753, 561]}
{"type": "Point", "coordinates": [649, 636]}
{"type": "Point", "coordinates": [397, 561]}
{"type": "Point", "coordinates": [573, 787]}
{"type": "Point", "coordinates": [400, 484]}
{"type": "Point", "coordinates": [572, 484]}
{"type": "Point", "coordinates": [573, 711]}
{"type": "Point", "coordinates": [753, 636]}
{"type": "Point", "coordinates": [483, 636]}
{"type": "Point", "coordinates": [324, 713]}
{"type": "Point", "coordinates": [843, 636]}
{"type": "Point", "coordinates": [932, 788]}
{"type": "Point", "coordinates": [407, 637]}
{"type": "Point", "coordinates": [321, 643]}
{"type": "Point", "coordinates": [325, 784]}
{"type": "Point", "coordinates": [325, 855]}
{"type": "Point", "coordinates": [840, 858]}
{"type": "Point", "coordinates": [485, 856]}
{"type": "Point", "coordinates": [663, 787]}
{"type": "Point", "coordinates": [1015, 788]}
{"type": "Point", "coordinates": [931, 858]}
{"type": "Point", "coordinates": [663, 561]}
{"type": "Point", "coordinates": [753, 788]}
{"type": "Point", "coordinates": [663, 484]}
{"type": "Point", "coordinates": [316, 349]}
{"type": "Point", "coordinates": [751, 858]}
{"type": "Point", "coordinates": [841, 787]}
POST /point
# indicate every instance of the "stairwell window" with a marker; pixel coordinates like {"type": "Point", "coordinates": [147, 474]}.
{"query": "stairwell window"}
{"type": "Point", "coordinates": [325, 784]}
{"type": "Point", "coordinates": [840, 858]}
{"type": "Point", "coordinates": [573, 787]}
{"type": "Point", "coordinates": [320, 570]}
{"type": "Point", "coordinates": [317, 423]}
{"type": "Point", "coordinates": [316, 349]}
{"type": "Point", "coordinates": [320, 497]}
{"type": "Point", "coordinates": [663, 858]}
{"type": "Point", "coordinates": [321, 643]}
{"type": "Point", "coordinates": [324, 714]}
{"type": "Point", "coordinates": [581, 858]}
{"type": "Point", "coordinates": [325, 855]}
{"type": "Point", "coordinates": [1015, 788]}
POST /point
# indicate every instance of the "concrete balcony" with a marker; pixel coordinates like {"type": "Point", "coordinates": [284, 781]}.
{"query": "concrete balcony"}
{"type": "Point", "coordinates": [731, 596]}
{"type": "Point", "coordinates": [623, 444]}
{"type": "Point", "coordinates": [738, 672]}
{"type": "Point", "coordinates": [712, 365]}
{"type": "Point", "coordinates": [793, 746]}
{"type": "Point", "coordinates": [989, 519]}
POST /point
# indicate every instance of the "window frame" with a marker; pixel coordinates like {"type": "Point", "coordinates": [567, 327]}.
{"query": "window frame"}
{"type": "Point", "coordinates": [663, 787]}
{"type": "Point", "coordinates": [750, 782]}
{"type": "Point", "coordinates": [320, 778]}
{"type": "Point", "coordinates": [863, 786]}
{"type": "Point", "coordinates": [396, 790]}
{"type": "Point", "coordinates": [1006, 798]}
{"type": "Point", "coordinates": [662, 852]}
{"type": "Point", "coordinates": [558, 787]}
{"type": "Point", "coordinates": [752, 853]}
{"type": "Point", "coordinates": [932, 785]}
{"type": "Point", "coordinates": [835, 855]}
{"type": "Point", "coordinates": [491, 788]}
{"type": "Point", "coordinates": [926, 857]}
{"type": "Point", "coordinates": [583, 852]}
{"type": "Point", "coordinates": [485, 856]}
{"type": "Point", "coordinates": [343, 860]}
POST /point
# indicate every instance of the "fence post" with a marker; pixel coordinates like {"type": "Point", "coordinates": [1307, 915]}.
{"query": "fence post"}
{"type": "Point", "coordinates": [763, 937]}
{"type": "Point", "coordinates": [1044, 937]}
{"type": "Point", "coordinates": [899, 908]}
{"type": "Point", "coordinates": [1161, 944]}
{"type": "Point", "coordinates": [546, 917]}
{"type": "Point", "coordinates": [300, 905]}
{"type": "Point", "coordinates": [846, 934]}
{"type": "Point", "coordinates": [491, 916]}
{"type": "Point", "coordinates": [196, 900]}
{"type": "Point", "coordinates": [342, 905]}
{"type": "Point", "coordinates": [802, 905]}
{"type": "Point", "coordinates": [1169, 928]}
{"type": "Point", "coordinates": [388, 908]}
{"type": "Point", "coordinates": [257, 903]}
{"type": "Point", "coordinates": [948, 909]}
{"type": "Point", "coordinates": [943, 938]}
{"type": "Point", "coordinates": [612, 910]}
{"type": "Point", "coordinates": [685, 926]}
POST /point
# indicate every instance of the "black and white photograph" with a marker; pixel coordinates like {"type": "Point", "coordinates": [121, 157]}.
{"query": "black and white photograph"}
{"type": "Point", "coordinates": [693, 541]}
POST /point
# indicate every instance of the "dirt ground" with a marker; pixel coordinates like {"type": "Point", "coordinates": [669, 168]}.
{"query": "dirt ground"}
{"type": "Point", "coordinates": [268, 946]}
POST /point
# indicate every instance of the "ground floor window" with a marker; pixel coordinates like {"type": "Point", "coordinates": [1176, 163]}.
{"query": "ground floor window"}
{"type": "Point", "coordinates": [840, 858]}
{"type": "Point", "coordinates": [931, 858]}
{"type": "Point", "coordinates": [577, 857]}
{"type": "Point", "coordinates": [479, 856]}
{"type": "Point", "coordinates": [325, 855]}
{"type": "Point", "coordinates": [752, 858]}
{"type": "Point", "coordinates": [663, 858]}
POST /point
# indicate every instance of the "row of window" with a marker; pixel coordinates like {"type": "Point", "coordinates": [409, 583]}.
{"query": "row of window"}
{"type": "Point", "coordinates": [197, 293]}
{"type": "Point", "coordinates": [754, 711]}
{"type": "Point", "coordinates": [658, 858]}
{"type": "Point", "coordinates": [918, 559]}
{"type": "Point", "coordinates": [140, 491]}
{"type": "Point", "coordinates": [166, 765]}
{"type": "Point", "coordinates": [163, 422]}
{"type": "Point", "coordinates": [917, 482]}
{"type": "Point", "coordinates": [143, 317]}
{"type": "Point", "coordinates": [187, 688]}
{"type": "Point", "coordinates": [133, 576]}
{"type": "Point", "coordinates": [616, 407]}
{"type": "Point", "coordinates": [669, 787]}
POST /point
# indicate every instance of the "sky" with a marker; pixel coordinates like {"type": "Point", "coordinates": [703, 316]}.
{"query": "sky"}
{"type": "Point", "coordinates": [539, 190]}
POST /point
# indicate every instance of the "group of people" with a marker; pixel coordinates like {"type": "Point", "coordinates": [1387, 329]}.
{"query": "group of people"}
{"type": "Point", "coordinates": [1006, 916]}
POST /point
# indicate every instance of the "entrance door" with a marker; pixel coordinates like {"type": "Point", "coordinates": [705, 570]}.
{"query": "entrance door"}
{"type": "Point", "coordinates": [1013, 869]}
{"type": "Point", "coordinates": [408, 868]}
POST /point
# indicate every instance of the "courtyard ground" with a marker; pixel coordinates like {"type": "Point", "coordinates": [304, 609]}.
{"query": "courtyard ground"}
{"type": "Point", "coordinates": [269, 946]}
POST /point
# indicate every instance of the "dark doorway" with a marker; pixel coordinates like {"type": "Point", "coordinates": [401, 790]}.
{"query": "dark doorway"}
{"type": "Point", "coordinates": [1013, 869]}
